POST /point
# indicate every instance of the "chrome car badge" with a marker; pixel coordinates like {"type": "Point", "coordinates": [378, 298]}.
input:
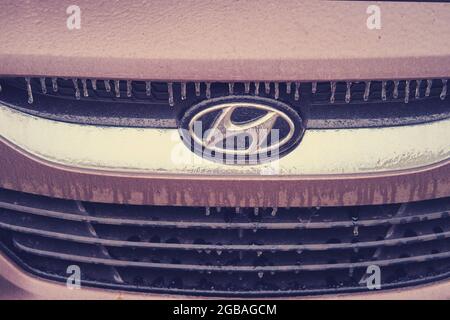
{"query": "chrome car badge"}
{"type": "Point", "coordinates": [241, 129]}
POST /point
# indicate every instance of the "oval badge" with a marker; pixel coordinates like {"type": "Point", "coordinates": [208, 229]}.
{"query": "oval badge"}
{"type": "Point", "coordinates": [241, 130]}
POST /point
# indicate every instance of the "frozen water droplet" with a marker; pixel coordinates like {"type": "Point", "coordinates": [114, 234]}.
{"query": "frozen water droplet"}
{"type": "Point", "coordinates": [107, 85]}
{"type": "Point", "coordinates": [256, 88]}
{"type": "Point", "coordinates": [208, 90]}
{"type": "Point", "coordinates": [207, 211]}
{"type": "Point", "coordinates": [148, 88]}
{"type": "Point", "coordinates": [241, 233]}
{"type": "Point", "coordinates": [260, 274]}
{"type": "Point", "coordinates": [407, 88]}
{"type": "Point", "coordinates": [219, 252]}
{"type": "Point", "coordinates": [417, 94]}
{"type": "Point", "coordinates": [197, 89]}
{"type": "Point", "coordinates": [256, 211]}
{"type": "Point", "coordinates": [297, 91]}
{"type": "Point", "coordinates": [94, 84]}
{"type": "Point", "coordinates": [444, 89]}
{"type": "Point", "coordinates": [55, 84]}
{"type": "Point", "coordinates": [43, 85]}
{"type": "Point", "coordinates": [231, 88]}
{"type": "Point", "coordinates": [395, 94]}
{"type": "Point", "coordinates": [367, 91]}
{"type": "Point", "coordinates": [348, 93]}
{"type": "Point", "coordinates": [247, 87]}
{"type": "Point", "coordinates": [29, 91]}
{"type": "Point", "coordinates": [383, 90]}
{"type": "Point", "coordinates": [77, 89]}
{"type": "Point", "coordinates": [208, 251]}
{"type": "Point", "coordinates": [129, 89]}
{"type": "Point", "coordinates": [428, 90]}
{"type": "Point", "coordinates": [267, 87]}
{"type": "Point", "coordinates": [314, 87]}
{"type": "Point", "coordinates": [85, 90]}
{"type": "Point", "coordinates": [259, 253]}
{"type": "Point", "coordinates": [117, 88]}
{"type": "Point", "coordinates": [355, 231]}
{"type": "Point", "coordinates": [299, 251]}
{"type": "Point", "coordinates": [183, 91]}
{"type": "Point", "coordinates": [333, 91]}
{"type": "Point", "coordinates": [1, 88]}
{"type": "Point", "coordinates": [237, 209]}
{"type": "Point", "coordinates": [274, 211]}
{"type": "Point", "coordinates": [288, 87]}
{"type": "Point", "coordinates": [170, 90]}
{"type": "Point", "coordinates": [277, 90]}
{"type": "Point", "coordinates": [218, 209]}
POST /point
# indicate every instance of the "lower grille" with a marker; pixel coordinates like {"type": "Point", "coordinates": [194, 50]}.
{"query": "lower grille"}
{"type": "Point", "coordinates": [227, 251]}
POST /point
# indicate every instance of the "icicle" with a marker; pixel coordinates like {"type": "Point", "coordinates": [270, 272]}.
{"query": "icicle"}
{"type": "Point", "coordinates": [256, 88]}
{"type": "Point", "coordinates": [29, 91]}
{"type": "Point", "coordinates": [55, 84]}
{"type": "Point", "coordinates": [256, 211]}
{"type": "Point", "coordinates": [129, 89]}
{"type": "Point", "coordinates": [260, 274]}
{"type": "Point", "coordinates": [107, 85]}
{"type": "Point", "coordinates": [395, 94]}
{"type": "Point", "coordinates": [444, 89]}
{"type": "Point", "coordinates": [247, 87]}
{"type": "Point", "coordinates": [314, 87]}
{"type": "Point", "coordinates": [170, 90]}
{"type": "Point", "coordinates": [237, 209]}
{"type": "Point", "coordinates": [297, 91]}
{"type": "Point", "coordinates": [355, 230]}
{"type": "Point", "coordinates": [267, 87]}
{"type": "Point", "coordinates": [231, 88]}
{"type": "Point", "coordinates": [43, 85]}
{"type": "Point", "coordinates": [183, 91]}
{"type": "Point", "coordinates": [333, 91]}
{"type": "Point", "coordinates": [77, 90]}
{"type": "Point", "coordinates": [428, 90]}
{"type": "Point", "coordinates": [208, 90]}
{"type": "Point", "coordinates": [348, 93]}
{"type": "Point", "coordinates": [277, 90]}
{"type": "Point", "coordinates": [417, 94]}
{"type": "Point", "coordinates": [94, 84]}
{"type": "Point", "coordinates": [274, 211]}
{"type": "Point", "coordinates": [148, 88]}
{"type": "Point", "coordinates": [1, 88]}
{"type": "Point", "coordinates": [117, 88]}
{"type": "Point", "coordinates": [85, 91]}
{"type": "Point", "coordinates": [383, 90]}
{"type": "Point", "coordinates": [288, 87]}
{"type": "Point", "coordinates": [367, 91]}
{"type": "Point", "coordinates": [207, 211]}
{"type": "Point", "coordinates": [241, 233]}
{"type": "Point", "coordinates": [219, 252]}
{"type": "Point", "coordinates": [406, 91]}
{"type": "Point", "coordinates": [197, 89]}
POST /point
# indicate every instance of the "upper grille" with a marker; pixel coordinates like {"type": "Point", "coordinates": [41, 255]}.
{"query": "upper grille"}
{"type": "Point", "coordinates": [227, 251]}
{"type": "Point", "coordinates": [333, 104]}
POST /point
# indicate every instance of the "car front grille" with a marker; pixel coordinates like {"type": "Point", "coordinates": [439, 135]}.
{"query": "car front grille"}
{"type": "Point", "coordinates": [323, 105]}
{"type": "Point", "coordinates": [227, 251]}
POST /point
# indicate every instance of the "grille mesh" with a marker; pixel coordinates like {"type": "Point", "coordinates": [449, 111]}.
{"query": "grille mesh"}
{"type": "Point", "coordinates": [227, 251]}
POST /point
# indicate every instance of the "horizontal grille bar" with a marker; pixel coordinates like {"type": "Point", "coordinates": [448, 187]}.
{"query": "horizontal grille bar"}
{"type": "Point", "coordinates": [141, 264]}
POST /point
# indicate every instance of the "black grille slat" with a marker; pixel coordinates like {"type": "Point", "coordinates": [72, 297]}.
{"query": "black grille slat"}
{"type": "Point", "coordinates": [227, 251]}
{"type": "Point", "coordinates": [139, 109]}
